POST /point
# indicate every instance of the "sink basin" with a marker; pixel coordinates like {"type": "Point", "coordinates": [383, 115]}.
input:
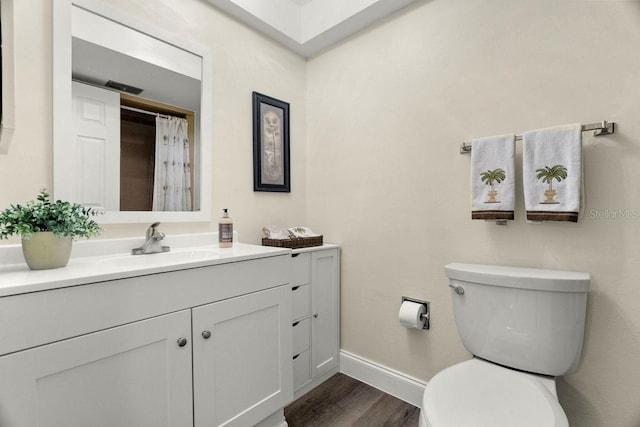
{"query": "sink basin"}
{"type": "Point", "coordinates": [163, 258]}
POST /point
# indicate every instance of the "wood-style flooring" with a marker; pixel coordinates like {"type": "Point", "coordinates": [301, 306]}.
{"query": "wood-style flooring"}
{"type": "Point", "coordinates": [342, 401]}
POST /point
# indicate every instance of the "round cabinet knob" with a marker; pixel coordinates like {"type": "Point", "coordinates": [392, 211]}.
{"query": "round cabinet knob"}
{"type": "Point", "coordinates": [315, 315]}
{"type": "Point", "coordinates": [206, 334]}
{"type": "Point", "coordinates": [182, 342]}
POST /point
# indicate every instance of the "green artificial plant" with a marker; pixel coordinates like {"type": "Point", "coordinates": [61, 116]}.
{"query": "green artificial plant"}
{"type": "Point", "coordinates": [63, 219]}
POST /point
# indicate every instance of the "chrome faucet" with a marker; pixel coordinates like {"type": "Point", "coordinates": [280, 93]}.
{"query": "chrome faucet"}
{"type": "Point", "coordinates": [152, 243]}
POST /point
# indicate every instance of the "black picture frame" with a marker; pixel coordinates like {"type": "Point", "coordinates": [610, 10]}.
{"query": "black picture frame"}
{"type": "Point", "coordinates": [271, 169]}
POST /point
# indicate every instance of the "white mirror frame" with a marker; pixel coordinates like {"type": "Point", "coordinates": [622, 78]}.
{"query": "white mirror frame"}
{"type": "Point", "coordinates": [7, 127]}
{"type": "Point", "coordinates": [62, 114]}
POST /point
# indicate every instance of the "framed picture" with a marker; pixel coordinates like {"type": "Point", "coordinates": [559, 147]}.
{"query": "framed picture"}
{"type": "Point", "coordinates": [270, 144]}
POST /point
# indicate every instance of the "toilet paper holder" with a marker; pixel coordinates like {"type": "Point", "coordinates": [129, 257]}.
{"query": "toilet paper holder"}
{"type": "Point", "coordinates": [427, 315]}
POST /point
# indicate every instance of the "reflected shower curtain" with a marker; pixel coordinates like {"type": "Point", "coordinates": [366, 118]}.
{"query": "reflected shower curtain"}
{"type": "Point", "coordinates": [172, 176]}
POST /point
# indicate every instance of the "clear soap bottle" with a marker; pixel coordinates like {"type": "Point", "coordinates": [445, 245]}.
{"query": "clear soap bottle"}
{"type": "Point", "coordinates": [225, 230]}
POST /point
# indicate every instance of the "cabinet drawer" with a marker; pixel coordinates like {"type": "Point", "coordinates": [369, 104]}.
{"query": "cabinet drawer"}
{"type": "Point", "coordinates": [300, 269]}
{"type": "Point", "coordinates": [301, 370]}
{"type": "Point", "coordinates": [301, 335]}
{"type": "Point", "coordinates": [301, 301]}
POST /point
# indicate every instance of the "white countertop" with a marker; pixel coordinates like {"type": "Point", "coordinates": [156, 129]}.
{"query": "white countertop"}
{"type": "Point", "coordinates": [98, 261]}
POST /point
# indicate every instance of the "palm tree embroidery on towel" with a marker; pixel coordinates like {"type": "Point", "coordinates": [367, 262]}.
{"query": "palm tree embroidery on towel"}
{"type": "Point", "coordinates": [489, 177]}
{"type": "Point", "coordinates": [547, 175]}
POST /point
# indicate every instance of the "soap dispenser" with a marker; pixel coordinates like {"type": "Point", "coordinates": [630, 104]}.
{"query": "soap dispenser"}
{"type": "Point", "coordinates": [225, 230]}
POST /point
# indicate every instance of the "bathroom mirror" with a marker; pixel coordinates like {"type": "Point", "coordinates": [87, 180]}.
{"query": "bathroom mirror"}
{"type": "Point", "coordinates": [105, 134]}
{"type": "Point", "coordinates": [7, 70]}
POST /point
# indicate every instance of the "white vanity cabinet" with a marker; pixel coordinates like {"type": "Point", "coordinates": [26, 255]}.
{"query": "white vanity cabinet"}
{"type": "Point", "coordinates": [207, 346]}
{"type": "Point", "coordinates": [241, 369]}
{"type": "Point", "coordinates": [315, 289]}
{"type": "Point", "coordinates": [132, 375]}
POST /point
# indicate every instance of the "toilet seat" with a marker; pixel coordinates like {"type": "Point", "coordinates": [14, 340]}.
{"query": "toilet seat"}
{"type": "Point", "coordinates": [479, 393]}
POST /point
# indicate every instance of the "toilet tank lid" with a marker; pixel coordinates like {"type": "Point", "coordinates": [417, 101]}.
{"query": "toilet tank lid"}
{"type": "Point", "coordinates": [516, 277]}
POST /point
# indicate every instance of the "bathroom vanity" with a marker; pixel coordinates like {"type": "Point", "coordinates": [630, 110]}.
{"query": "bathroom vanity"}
{"type": "Point", "coordinates": [199, 336]}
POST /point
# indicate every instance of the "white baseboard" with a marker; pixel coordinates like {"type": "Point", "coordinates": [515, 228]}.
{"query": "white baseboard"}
{"type": "Point", "coordinates": [386, 379]}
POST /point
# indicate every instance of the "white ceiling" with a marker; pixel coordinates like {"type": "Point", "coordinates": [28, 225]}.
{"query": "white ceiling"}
{"type": "Point", "coordinates": [308, 27]}
{"type": "Point", "coordinates": [96, 65]}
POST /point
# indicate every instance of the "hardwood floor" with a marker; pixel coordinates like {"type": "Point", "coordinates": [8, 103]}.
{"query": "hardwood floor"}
{"type": "Point", "coordinates": [342, 401]}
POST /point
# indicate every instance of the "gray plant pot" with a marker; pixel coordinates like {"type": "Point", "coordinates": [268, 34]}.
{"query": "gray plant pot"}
{"type": "Point", "coordinates": [44, 250]}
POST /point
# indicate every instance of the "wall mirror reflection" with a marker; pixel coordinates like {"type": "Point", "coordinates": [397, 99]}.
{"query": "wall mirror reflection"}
{"type": "Point", "coordinates": [7, 71]}
{"type": "Point", "coordinates": [128, 105]}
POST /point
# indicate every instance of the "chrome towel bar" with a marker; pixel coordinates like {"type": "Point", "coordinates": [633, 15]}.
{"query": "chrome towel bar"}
{"type": "Point", "coordinates": [600, 128]}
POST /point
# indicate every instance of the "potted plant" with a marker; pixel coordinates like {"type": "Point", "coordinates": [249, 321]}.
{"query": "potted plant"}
{"type": "Point", "coordinates": [547, 175]}
{"type": "Point", "coordinates": [47, 229]}
{"type": "Point", "coordinates": [489, 177]}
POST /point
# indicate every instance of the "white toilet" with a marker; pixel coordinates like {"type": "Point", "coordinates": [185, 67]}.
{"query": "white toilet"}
{"type": "Point", "coordinates": [524, 327]}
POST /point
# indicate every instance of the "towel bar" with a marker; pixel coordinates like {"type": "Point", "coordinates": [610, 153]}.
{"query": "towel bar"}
{"type": "Point", "coordinates": [601, 128]}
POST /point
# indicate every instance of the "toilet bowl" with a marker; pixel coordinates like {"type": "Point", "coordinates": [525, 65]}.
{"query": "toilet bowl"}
{"type": "Point", "coordinates": [523, 328]}
{"type": "Point", "coordinates": [479, 393]}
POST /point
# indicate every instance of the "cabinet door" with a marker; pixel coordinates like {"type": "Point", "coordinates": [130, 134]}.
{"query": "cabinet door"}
{"type": "Point", "coordinates": [134, 375]}
{"type": "Point", "coordinates": [242, 372]}
{"type": "Point", "coordinates": [325, 308]}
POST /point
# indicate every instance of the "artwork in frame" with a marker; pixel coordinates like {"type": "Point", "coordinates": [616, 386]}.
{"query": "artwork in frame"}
{"type": "Point", "coordinates": [270, 144]}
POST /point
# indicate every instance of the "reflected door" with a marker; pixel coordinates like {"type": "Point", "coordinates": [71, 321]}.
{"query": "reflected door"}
{"type": "Point", "coordinates": [95, 146]}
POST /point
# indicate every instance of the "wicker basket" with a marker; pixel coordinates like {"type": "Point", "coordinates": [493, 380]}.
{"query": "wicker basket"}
{"type": "Point", "coordinates": [294, 243]}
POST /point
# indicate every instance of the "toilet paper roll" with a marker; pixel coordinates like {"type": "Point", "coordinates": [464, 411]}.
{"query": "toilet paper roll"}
{"type": "Point", "coordinates": [410, 314]}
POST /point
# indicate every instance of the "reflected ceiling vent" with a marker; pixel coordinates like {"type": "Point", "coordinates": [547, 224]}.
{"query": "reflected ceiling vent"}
{"type": "Point", "coordinates": [123, 87]}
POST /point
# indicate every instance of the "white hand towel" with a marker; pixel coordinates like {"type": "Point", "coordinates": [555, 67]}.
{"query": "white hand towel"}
{"type": "Point", "coordinates": [493, 177]}
{"type": "Point", "coordinates": [301, 232]}
{"type": "Point", "coordinates": [552, 173]}
{"type": "Point", "coordinates": [275, 232]}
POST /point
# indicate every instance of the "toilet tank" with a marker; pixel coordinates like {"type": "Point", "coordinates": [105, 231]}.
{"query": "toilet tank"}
{"type": "Point", "coordinates": [524, 318]}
